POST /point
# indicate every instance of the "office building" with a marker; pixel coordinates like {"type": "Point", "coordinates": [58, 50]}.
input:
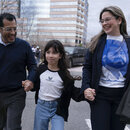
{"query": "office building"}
{"type": "Point", "coordinates": [65, 20]}
{"type": "Point", "coordinates": [43, 20]}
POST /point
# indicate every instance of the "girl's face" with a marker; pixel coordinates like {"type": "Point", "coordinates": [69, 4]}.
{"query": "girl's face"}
{"type": "Point", "coordinates": [52, 56]}
{"type": "Point", "coordinates": [110, 24]}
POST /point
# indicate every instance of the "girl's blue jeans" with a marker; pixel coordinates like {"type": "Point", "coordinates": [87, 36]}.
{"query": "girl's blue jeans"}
{"type": "Point", "coordinates": [44, 113]}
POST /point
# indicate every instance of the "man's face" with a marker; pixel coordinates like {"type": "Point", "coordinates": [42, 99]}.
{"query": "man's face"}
{"type": "Point", "coordinates": [8, 31]}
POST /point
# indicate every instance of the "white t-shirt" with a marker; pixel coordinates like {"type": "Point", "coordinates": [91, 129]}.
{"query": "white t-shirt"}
{"type": "Point", "coordinates": [114, 62]}
{"type": "Point", "coordinates": [51, 85]}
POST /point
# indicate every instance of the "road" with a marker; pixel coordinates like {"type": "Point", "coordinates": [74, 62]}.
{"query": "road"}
{"type": "Point", "coordinates": [78, 111]}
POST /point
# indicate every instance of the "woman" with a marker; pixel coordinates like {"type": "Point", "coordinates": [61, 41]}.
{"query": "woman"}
{"type": "Point", "coordinates": [106, 70]}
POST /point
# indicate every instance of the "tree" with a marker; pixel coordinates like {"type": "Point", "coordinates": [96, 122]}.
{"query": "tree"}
{"type": "Point", "coordinates": [27, 18]}
{"type": "Point", "coordinates": [24, 10]}
{"type": "Point", "coordinates": [9, 6]}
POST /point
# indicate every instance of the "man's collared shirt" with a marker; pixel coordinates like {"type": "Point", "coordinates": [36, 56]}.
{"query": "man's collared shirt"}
{"type": "Point", "coordinates": [5, 44]}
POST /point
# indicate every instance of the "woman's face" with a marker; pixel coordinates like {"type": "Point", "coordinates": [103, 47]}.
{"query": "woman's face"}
{"type": "Point", "coordinates": [110, 24]}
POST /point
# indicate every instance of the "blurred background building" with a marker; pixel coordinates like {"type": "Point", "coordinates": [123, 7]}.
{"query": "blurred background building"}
{"type": "Point", "coordinates": [43, 20]}
{"type": "Point", "coordinates": [12, 6]}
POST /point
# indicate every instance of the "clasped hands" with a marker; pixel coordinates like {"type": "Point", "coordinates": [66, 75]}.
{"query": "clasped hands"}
{"type": "Point", "coordinates": [90, 94]}
{"type": "Point", "coordinates": [27, 84]}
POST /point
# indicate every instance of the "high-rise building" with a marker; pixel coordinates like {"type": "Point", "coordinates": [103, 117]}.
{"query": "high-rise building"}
{"type": "Point", "coordinates": [65, 20]}
{"type": "Point", "coordinates": [43, 20]}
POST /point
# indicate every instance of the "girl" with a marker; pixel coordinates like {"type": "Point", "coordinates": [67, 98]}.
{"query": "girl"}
{"type": "Point", "coordinates": [54, 88]}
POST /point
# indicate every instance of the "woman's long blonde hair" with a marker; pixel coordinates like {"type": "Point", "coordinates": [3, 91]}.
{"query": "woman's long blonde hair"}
{"type": "Point", "coordinates": [117, 13]}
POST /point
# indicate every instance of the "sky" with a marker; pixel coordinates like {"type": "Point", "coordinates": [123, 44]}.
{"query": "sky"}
{"type": "Point", "coordinates": [95, 7]}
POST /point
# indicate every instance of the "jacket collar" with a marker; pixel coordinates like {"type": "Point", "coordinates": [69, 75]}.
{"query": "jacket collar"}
{"type": "Point", "coordinates": [100, 47]}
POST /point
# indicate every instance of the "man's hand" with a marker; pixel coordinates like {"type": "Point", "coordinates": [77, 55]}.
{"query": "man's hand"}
{"type": "Point", "coordinates": [27, 84]}
{"type": "Point", "coordinates": [90, 94]}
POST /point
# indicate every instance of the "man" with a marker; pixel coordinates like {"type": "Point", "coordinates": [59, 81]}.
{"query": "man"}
{"type": "Point", "coordinates": [15, 56]}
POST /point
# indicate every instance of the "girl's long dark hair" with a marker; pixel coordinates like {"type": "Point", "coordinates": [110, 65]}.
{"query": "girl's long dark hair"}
{"type": "Point", "coordinates": [58, 47]}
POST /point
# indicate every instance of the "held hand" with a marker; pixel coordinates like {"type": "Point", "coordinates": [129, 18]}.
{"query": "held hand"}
{"type": "Point", "coordinates": [28, 85]}
{"type": "Point", "coordinates": [90, 94]}
{"type": "Point", "coordinates": [77, 77]}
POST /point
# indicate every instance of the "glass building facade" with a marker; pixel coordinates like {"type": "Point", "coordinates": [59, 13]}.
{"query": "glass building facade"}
{"type": "Point", "coordinates": [65, 20]}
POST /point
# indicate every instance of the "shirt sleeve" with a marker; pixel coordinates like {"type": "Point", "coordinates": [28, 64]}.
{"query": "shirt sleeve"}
{"type": "Point", "coordinates": [31, 64]}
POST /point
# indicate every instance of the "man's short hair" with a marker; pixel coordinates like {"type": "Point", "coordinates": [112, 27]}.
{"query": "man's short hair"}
{"type": "Point", "coordinates": [8, 16]}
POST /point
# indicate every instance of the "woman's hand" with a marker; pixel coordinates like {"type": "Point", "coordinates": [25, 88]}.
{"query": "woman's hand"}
{"type": "Point", "coordinates": [28, 85]}
{"type": "Point", "coordinates": [90, 94]}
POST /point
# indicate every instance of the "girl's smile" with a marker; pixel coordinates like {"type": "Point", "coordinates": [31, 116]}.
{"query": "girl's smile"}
{"type": "Point", "coordinates": [52, 58]}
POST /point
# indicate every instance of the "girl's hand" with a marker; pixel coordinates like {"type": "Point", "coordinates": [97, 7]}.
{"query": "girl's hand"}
{"type": "Point", "coordinates": [90, 94]}
{"type": "Point", "coordinates": [77, 77]}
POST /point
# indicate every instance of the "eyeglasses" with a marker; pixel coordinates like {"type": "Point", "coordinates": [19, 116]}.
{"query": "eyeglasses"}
{"type": "Point", "coordinates": [9, 29]}
{"type": "Point", "coordinates": [106, 19]}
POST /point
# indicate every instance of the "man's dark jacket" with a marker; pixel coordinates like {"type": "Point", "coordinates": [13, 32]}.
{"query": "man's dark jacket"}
{"type": "Point", "coordinates": [15, 59]}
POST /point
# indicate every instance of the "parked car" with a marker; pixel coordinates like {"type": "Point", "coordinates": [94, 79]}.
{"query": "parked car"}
{"type": "Point", "coordinates": [75, 55]}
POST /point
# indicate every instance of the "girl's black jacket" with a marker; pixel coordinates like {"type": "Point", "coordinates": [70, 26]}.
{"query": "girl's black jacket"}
{"type": "Point", "coordinates": [69, 91]}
